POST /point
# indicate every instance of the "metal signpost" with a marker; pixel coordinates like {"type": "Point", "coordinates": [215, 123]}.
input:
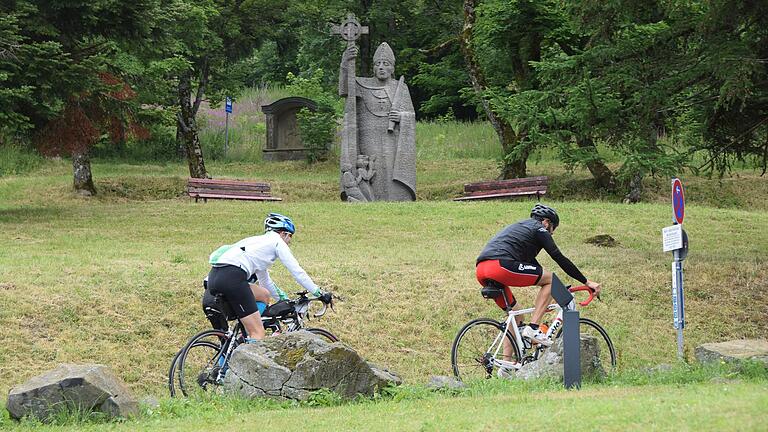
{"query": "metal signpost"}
{"type": "Point", "coordinates": [228, 109]}
{"type": "Point", "coordinates": [675, 239]}
{"type": "Point", "coordinates": [571, 336]}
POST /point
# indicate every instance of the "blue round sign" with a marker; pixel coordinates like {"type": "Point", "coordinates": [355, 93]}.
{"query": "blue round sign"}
{"type": "Point", "coordinates": [678, 201]}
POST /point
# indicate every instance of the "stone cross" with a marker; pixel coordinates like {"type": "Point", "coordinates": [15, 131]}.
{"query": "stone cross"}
{"type": "Point", "coordinates": [350, 30]}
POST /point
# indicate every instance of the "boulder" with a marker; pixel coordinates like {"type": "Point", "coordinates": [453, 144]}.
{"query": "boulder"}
{"type": "Point", "coordinates": [294, 364]}
{"type": "Point", "coordinates": [442, 382]}
{"type": "Point", "coordinates": [732, 351]}
{"type": "Point", "coordinates": [550, 363]}
{"type": "Point", "coordinates": [71, 387]}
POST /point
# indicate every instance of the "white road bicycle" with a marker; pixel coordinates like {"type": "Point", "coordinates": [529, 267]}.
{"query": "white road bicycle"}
{"type": "Point", "coordinates": [478, 349]}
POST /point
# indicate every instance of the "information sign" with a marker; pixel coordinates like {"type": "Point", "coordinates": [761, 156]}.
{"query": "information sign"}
{"type": "Point", "coordinates": [672, 237]}
{"type": "Point", "coordinates": [228, 104]}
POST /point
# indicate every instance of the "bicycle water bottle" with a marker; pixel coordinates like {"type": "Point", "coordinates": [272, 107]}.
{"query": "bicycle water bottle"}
{"type": "Point", "coordinates": [554, 327]}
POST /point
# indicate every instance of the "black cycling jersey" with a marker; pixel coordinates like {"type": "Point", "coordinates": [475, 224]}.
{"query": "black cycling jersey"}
{"type": "Point", "coordinates": [522, 241]}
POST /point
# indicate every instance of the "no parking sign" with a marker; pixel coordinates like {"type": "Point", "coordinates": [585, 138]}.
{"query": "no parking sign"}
{"type": "Point", "coordinates": [678, 201]}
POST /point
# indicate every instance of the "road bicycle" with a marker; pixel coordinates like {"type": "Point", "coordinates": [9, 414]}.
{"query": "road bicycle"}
{"type": "Point", "coordinates": [202, 363]}
{"type": "Point", "coordinates": [478, 349]}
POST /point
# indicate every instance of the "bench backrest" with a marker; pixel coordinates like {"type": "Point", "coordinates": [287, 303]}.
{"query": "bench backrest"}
{"type": "Point", "coordinates": [233, 188]}
{"type": "Point", "coordinates": [529, 183]}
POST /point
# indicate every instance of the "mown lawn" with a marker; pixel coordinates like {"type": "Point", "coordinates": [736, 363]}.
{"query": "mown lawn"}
{"type": "Point", "coordinates": [704, 406]}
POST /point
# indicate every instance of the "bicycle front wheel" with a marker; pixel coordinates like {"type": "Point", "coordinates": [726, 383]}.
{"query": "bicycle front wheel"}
{"type": "Point", "coordinates": [200, 362]}
{"type": "Point", "coordinates": [325, 334]}
{"type": "Point", "coordinates": [478, 346]}
{"type": "Point", "coordinates": [606, 355]}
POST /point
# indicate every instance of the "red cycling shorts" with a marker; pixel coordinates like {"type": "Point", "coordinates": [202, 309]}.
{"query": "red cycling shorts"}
{"type": "Point", "coordinates": [508, 273]}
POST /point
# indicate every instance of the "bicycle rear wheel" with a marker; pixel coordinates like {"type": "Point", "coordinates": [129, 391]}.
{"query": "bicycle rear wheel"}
{"type": "Point", "coordinates": [199, 363]}
{"type": "Point", "coordinates": [476, 348]}
{"type": "Point", "coordinates": [606, 357]}
{"type": "Point", "coordinates": [325, 334]}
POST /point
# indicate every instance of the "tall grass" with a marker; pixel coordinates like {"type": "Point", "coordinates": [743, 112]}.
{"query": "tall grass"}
{"type": "Point", "coordinates": [247, 131]}
{"type": "Point", "coordinates": [15, 160]}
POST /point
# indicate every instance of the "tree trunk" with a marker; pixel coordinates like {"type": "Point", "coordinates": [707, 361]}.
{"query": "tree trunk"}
{"type": "Point", "coordinates": [602, 174]}
{"type": "Point", "coordinates": [187, 125]}
{"type": "Point", "coordinates": [511, 167]}
{"type": "Point", "coordinates": [81, 167]}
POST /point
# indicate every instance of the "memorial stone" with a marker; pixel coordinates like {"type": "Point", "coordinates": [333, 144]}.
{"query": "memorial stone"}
{"type": "Point", "coordinates": [283, 137]}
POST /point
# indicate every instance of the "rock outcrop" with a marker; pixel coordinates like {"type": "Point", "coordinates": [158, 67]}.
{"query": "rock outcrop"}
{"type": "Point", "coordinates": [293, 365]}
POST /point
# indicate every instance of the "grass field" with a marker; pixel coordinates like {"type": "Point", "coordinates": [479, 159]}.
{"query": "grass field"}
{"type": "Point", "coordinates": [662, 402]}
{"type": "Point", "coordinates": [116, 279]}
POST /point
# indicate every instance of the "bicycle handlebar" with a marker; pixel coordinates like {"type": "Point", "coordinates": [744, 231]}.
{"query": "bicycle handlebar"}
{"type": "Point", "coordinates": [303, 298]}
{"type": "Point", "coordinates": [584, 288]}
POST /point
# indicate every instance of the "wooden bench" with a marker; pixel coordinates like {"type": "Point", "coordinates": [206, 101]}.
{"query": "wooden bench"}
{"type": "Point", "coordinates": [206, 189]}
{"type": "Point", "coordinates": [505, 188]}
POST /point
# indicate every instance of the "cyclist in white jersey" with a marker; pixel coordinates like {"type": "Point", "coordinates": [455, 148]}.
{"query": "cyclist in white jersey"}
{"type": "Point", "coordinates": [234, 265]}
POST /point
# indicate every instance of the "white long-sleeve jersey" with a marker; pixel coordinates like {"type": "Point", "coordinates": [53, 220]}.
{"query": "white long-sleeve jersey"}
{"type": "Point", "coordinates": [256, 254]}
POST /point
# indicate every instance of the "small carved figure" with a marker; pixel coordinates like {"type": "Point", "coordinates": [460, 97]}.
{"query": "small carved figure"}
{"type": "Point", "coordinates": [365, 173]}
{"type": "Point", "coordinates": [352, 192]}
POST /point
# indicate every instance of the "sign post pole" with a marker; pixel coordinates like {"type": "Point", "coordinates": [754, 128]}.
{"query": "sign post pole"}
{"type": "Point", "coordinates": [676, 240]}
{"type": "Point", "coordinates": [228, 109]}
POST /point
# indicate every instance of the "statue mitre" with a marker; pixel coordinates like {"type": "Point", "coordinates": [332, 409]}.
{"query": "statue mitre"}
{"type": "Point", "coordinates": [384, 52]}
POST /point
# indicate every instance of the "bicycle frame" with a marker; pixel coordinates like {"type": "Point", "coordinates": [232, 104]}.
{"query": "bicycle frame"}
{"type": "Point", "coordinates": [512, 327]}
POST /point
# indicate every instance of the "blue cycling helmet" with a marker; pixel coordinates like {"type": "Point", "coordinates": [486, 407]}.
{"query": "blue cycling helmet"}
{"type": "Point", "coordinates": [278, 222]}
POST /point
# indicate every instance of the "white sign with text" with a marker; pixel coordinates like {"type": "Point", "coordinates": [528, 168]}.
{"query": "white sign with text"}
{"type": "Point", "coordinates": [673, 237]}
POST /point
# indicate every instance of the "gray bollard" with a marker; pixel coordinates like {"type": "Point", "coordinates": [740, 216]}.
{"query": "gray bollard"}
{"type": "Point", "coordinates": [571, 349]}
{"type": "Point", "coordinates": [571, 337]}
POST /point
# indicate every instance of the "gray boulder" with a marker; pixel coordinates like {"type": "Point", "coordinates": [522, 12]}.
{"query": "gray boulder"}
{"type": "Point", "coordinates": [442, 382]}
{"type": "Point", "coordinates": [733, 351]}
{"type": "Point", "coordinates": [70, 387]}
{"type": "Point", "coordinates": [550, 363]}
{"type": "Point", "coordinates": [293, 365]}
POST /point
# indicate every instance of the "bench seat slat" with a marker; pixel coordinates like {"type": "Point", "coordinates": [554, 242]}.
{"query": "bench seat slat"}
{"type": "Point", "coordinates": [498, 195]}
{"type": "Point", "coordinates": [239, 197]}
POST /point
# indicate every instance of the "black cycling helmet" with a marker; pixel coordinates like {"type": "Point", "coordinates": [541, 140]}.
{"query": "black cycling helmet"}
{"type": "Point", "coordinates": [540, 211]}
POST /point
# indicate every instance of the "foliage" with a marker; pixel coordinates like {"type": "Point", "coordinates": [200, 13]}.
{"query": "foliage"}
{"type": "Point", "coordinates": [317, 128]}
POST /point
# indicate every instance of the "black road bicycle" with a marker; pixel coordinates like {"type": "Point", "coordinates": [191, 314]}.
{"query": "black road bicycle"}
{"type": "Point", "coordinates": [200, 366]}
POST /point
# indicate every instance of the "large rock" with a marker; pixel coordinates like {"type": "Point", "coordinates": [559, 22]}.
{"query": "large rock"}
{"type": "Point", "coordinates": [293, 365]}
{"type": "Point", "coordinates": [550, 363]}
{"type": "Point", "coordinates": [732, 351]}
{"type": "Point", "coordinates": [70, 387]}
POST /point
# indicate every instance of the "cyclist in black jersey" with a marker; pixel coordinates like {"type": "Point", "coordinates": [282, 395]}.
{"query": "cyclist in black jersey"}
{"type": "Point", "coordinates": [509, 258]}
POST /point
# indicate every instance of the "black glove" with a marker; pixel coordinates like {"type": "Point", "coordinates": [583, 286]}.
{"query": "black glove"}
{"type": "Point", "coordinates": [326, 298]}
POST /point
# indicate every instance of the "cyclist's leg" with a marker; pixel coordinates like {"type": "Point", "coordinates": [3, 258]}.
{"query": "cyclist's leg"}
{"type": "Point", "coordinates": [543, 298]}
{"type": "Point", "coordinates": [510, 274]}
{"type": "Point", "coordinates": [260, 293]}
{"type": "Point", "coordinates": [232, 282]}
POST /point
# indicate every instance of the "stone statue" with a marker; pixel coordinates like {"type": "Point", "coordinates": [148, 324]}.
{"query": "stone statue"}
{"type": "Point", "coordinates": [379, 123]}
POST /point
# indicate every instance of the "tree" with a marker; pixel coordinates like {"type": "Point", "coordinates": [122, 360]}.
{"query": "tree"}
{"type": "Point", "coordinates": [53, 59]}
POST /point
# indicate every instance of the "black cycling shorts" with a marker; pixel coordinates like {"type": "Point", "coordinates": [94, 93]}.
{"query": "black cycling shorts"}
{"type": "Point", "coordinates": [232, 282]}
